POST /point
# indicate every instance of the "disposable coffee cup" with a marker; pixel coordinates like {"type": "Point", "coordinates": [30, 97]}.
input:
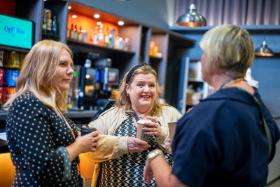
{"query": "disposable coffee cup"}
{"type": "Point", "coordinates": [172, 129]}
{"type": "Point", "coordinates": [87, 130]}
{"type": "Point", "coordinates": [139, 129]}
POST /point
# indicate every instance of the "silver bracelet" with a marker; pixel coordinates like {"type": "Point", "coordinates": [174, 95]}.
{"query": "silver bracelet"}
{"type": "Point", "coordinates": [153, 154]}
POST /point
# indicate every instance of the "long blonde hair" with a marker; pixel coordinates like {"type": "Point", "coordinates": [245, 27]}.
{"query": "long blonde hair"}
{"type": "Point", "coordinates": [37, 74]}
{"type": "Point", "coordinates": [124, 100]}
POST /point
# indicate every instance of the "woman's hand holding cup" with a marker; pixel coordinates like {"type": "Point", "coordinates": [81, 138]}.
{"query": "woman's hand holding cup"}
{"type": "Point", "coordinates": [151, 126]}
{"type": "Point", "coordinates": [136, 145]}
{"type": "Point", "coordinates": [88, 142]}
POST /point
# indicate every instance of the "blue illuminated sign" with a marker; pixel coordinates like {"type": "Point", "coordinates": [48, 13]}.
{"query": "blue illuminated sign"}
{"type": "Point", "coordinates": [16, 32]}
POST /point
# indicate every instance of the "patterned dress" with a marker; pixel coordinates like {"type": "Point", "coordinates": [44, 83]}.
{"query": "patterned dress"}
{"type": "Point", "coordinates": [37, 139]}
{"type": "Point", "coordinates": [127, 171]}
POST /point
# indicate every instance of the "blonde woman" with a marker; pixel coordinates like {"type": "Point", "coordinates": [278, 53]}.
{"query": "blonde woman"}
{"type": "Point", "coordinates": [44, 144]}
{"type": "Point", "coordinates": [139, 99]}
{"type": "Point", "coordinates": [222, 141]}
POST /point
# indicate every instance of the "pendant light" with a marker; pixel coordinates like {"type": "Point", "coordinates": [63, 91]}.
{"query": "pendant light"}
{"type": "Point", "coordinates": [191, 18]}
{"type": "Point", "coordinates": [263, 50]}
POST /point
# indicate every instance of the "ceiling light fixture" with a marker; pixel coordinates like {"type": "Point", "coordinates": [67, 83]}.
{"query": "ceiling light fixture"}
{"type": "Point", "coordinates": [96, 16]}
{"type": "Point", "coordinates": [264, 50]}
{"type": "Point", "coordinates": [191, 18]}
{"type": "Point", "coordinates": [121, 23]}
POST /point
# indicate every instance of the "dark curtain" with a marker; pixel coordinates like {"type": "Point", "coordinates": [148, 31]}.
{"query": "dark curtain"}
{"type": "Point", "coordinates": [239, 12]}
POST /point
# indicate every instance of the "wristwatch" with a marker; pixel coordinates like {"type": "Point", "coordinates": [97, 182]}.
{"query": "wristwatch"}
{"type": "Point", "coordinates": [153, 154]}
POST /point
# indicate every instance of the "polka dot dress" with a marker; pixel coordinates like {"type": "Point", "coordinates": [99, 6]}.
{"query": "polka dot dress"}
{"type": "Point", "coordinates": [37, 139]}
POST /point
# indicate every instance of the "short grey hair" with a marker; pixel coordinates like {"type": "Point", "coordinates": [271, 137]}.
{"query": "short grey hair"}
{"type": "Point", "coordinates": [228, 48]}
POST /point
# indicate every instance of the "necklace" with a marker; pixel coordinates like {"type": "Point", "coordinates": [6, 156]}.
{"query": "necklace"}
{"type": "Point", "coordinates": [230, 82]}
{"type": "Point", "coordinates": [68, 125]}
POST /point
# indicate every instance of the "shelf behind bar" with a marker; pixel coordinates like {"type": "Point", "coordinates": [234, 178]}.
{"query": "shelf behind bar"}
{"type": "Point", "coordinates": [275, 55]}
{"type": "Point", "coordinates": [13, 49]}
{"type": "Point", "coordinates": [93, 46]}
{"type": "Point", "coordinates": [155, 58]}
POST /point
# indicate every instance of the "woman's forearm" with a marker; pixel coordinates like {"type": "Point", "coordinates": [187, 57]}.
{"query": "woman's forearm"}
{"type": "Point", "coordinates": [73, 150]}
{"type": "Point", "coordinates": [162, 173]}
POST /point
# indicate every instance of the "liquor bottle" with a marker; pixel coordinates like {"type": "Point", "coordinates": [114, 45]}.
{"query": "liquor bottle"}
{"type": "Point", "coordinates": [69, 101]}
{"type": "Point", "coordinates": [14, 61]}
{"type": "Point", "coordinates": [71, 31]}
{"type": "Point", "coordinates": [74, 34]}
{"type": "Point", "coordinates": [119, 43]}
{"type": "Point", "coordinates": [54, 26]}
{"type": "Point", "coordinates": [80, 34]}
{"type": "Point", "coordinates": [112, 38]}
{"type": "Point", "coordinates": [106, 41]}
{"type": "Point", "coordinates": [126, 44]}
{"type": "Point", "coordinates": [44, 26]}
{"type": "Point", "coordinates": [1, 58]}
{"type": "Point", "coordinates": [49, 21]}
{"type": "Point", "coordinates": [101, 36]}
{"type": "Point", "coordinates": [95, 36]}
{"type": "Point", "coordinates": [85, 36]}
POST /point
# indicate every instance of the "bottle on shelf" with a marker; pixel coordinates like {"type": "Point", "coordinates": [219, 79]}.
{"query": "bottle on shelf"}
{"type": "Point", "coordinates": [69, 101]}
{"type": "Point", "coordinates": [1, 58]}
{"type": "Point", "coordinates": [95, 37]}
{"type": "Point", "coordinates": [106, 40]}
{"type": "Point", "coordinates": [126, 44]}
{"type": "Point", "coordinates": [112, 38]}
{"type": "Point", "coordinates": [84, 36]}
{"type": "Point", "coordinates": [1, 77]}
{"type": "Point", "coordinates": [1, 96]}
{"type": "Point", "coordinates": [154, 50]}
{"type": "Point", "coordinates": [71, 31]}
{"type": "Point", "coordinates": [50, 25]}
{"type": "Point", "coordinates": [13, 60]}
{"type": "Point", "coordinates": [68, 32]}
{"type": "Point", "coordinates": [80, 34]}
{"type": "Point", "coordinates": [7, 93]}
{"type": "Point", "coordinates": [44, 26]}
{"type": "Point", "coordinates": [74, 34]}
{"type": "Point", "coordinates": [54, 26]}
{"type": "Point", "coordinates": [101, 37]}
{"type": "Point", "coordinates": [119, 43]}
{"type": "Point", "coordinates": [48, 21]}
{"type": "Point", "coordinates": [81, 99]}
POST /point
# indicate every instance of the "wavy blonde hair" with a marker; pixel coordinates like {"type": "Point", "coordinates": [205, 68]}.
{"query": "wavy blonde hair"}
{"type": "Point", "coordinates": [228, 48]}
{"type": "Point", "coordinates": [124, 100]}
{"type": "Point", "coordinates": [37, 73]}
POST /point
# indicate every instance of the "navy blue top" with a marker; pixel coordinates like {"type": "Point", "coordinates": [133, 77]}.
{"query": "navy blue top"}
{"type": "Point", "coordinates": [222, 142]}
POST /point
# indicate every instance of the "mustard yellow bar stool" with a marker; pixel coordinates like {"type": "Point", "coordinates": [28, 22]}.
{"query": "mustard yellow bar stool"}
{"type": "Point", "coordinates": [7, 170]}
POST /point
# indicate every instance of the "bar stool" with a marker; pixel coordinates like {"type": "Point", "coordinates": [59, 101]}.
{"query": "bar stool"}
{"type": "Point", "coordinates": [7, 170]}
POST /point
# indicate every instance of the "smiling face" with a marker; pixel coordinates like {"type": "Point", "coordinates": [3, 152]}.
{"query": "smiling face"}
{"type": "Point", "coordinates": [64, 72]}
{"type": "Point", "coordinates": [142, 92]}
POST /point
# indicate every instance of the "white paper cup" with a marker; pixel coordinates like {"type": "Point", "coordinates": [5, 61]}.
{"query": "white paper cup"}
{"type": "Point", "coordinates": [140, 124]}
{"type": "Point", "coordinates": [172, 129]}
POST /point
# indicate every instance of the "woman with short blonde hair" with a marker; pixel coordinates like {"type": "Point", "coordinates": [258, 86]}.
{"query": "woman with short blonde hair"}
{"type": "Point", "coordinates": [228, 48]}
{"type": "Point", "coordinates": [229, 138]}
